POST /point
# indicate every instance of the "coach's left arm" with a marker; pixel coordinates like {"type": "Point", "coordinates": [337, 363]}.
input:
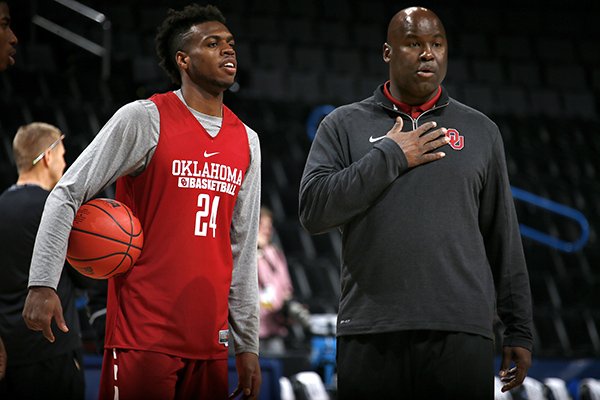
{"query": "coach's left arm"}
{"type": "Point", "coordinates": [500, 230]}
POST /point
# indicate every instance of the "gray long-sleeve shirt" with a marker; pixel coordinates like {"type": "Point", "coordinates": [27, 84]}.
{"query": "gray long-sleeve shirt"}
{"type": "Point", "coordinates": [125, 146]}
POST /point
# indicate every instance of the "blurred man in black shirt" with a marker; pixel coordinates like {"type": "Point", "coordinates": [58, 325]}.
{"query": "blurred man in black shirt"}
{"type": "Point", "coordinates": [36, 368]}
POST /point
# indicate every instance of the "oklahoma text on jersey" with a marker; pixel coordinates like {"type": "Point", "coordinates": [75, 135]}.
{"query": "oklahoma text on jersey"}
{"type": "Point", "coordinates": [209, 176]}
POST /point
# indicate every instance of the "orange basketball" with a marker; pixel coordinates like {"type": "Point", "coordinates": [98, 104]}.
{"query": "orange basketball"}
{"type": "Point", "coordinates": [106, 239]}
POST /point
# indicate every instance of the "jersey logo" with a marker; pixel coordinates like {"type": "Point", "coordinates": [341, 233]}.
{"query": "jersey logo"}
{"type": "Point", "coordinates": [373, 140]}
{"type": "Point", "coordinates": [457, 141]}
{"type": "Point", "coordinates": [206, 155]}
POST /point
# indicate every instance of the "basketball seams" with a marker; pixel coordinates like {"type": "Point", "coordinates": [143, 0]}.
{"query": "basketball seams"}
{"type": "Point", "coordinates": [125, 256]}
{"type": "Point", "coordinates": [107, 238]}
{"type": "Point", "coordinates": [117, 253]}
{"type": "Point", "coordinates": [129, 244]}
{"type": "Point", "coordinates": [103, 234]}
{"type": "Point", "coordinates": [84, 260]}
{"type": "Point", "coordinates": [91, 204]}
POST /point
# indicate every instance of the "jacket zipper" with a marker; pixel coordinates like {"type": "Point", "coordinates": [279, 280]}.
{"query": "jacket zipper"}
{"type": "Point", "coordinates": [415, 124]}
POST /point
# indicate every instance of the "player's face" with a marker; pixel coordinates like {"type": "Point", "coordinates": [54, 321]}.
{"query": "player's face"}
{"type": "Point", "coordinates": [417, 56]}
{"type": "Point", "coordinates": [209, 57]}
{"type": "Point", "coordinates": [8, 40]}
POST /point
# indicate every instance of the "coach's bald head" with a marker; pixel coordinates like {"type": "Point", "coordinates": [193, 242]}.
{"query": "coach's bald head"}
{"type": "Point", "coordinates": [417, 55]}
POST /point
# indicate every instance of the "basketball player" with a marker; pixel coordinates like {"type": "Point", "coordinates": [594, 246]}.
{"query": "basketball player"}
{"type": "Point", "coordinates": [2, 363]}
{"type": "Point", "coordinates": [36, 369]}
{"type": "Point", "coordinates": [417, 182]}
{"type": "Point", "coordinates": [8, 39]}
{"type": "Point", "coordinates": [190, 171]}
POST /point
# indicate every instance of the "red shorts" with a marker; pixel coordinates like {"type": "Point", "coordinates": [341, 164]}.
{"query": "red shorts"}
{"type": "Point", "coordinates": [133, 374]}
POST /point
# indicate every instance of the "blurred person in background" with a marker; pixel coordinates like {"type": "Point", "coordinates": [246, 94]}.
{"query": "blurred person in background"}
{"type": "Point", "coordinates": [278, 309]}
{"type": "Point", "coordinates": [8, 39]}
{"type": "Point", "coordinates": [36, 368]}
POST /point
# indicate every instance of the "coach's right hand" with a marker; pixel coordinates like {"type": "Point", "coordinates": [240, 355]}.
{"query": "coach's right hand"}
{"type": "Point", "coordinates": [418, 146]}
{"type": "Point", "coordinates": [42, 304]}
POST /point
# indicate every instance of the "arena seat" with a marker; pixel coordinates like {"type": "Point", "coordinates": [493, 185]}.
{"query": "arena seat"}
{"type": "Point", "coordinates": [532, 389]}
{"type": "Point", "coordinates": [309, 386]}
{"type": "Point", "coordinates": [498, 394]}
{"type": "Point", "coordinates": [286, 389]}
{"type": "Point", "coordinates": [556, 389]}
{"type": "Point", "coordinates": [589, 389]}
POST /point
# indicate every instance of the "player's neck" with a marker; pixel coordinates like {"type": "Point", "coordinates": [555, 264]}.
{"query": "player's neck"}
{"type": "Point", "coordinates": [203, 101]}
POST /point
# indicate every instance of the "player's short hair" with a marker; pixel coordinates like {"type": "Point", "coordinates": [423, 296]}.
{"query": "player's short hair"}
{"type": "Point", "coordinates": [170, 37]}
{"type": "Point", "coordinates": [31, 140]}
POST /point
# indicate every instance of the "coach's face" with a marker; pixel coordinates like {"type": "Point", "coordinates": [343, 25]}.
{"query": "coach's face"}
{"type": "Point", "coordinates": [8, 40]}
{"type": "Point", "coordinates": [208, 57]}
{"type": "Point", "coordinates": [417, 54]}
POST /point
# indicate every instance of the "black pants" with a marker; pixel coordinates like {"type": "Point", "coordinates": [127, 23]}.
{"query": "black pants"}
{"type": "Point", "coordinates": [415, 365]}
{"type": "Point", "coordinates": [61, 377]}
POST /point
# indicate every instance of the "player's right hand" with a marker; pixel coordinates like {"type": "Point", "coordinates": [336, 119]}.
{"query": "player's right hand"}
{"type": "Point", "coordinates": [417, 145]}
{"type": "Point", "coordinates": [42, 304]}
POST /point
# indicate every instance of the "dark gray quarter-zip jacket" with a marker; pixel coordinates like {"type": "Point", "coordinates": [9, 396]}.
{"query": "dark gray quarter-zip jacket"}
{"type": "Point", "coordinates": [434, 247]}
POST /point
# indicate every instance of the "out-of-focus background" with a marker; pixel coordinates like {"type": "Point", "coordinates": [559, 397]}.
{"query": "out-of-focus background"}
{"type": "Point", "coordinates": [532, 67]}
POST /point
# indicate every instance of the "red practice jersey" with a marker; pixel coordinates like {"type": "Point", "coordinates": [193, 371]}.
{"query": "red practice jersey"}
{"type": "Point", "coordinates": [175, 298]}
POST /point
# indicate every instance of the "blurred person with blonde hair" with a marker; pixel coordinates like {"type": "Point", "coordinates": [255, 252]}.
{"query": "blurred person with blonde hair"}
{"type": "Point", "coordinates": [35, 368]}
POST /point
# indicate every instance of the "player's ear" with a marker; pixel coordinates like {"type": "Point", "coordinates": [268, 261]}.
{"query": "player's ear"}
{"type": "Point", "coordinates": [387, 52]}
{"type": "Point", "coordinates": [182, 59]}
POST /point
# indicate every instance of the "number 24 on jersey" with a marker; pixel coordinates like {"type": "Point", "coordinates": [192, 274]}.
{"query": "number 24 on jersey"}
{"type": "Point", "coordinates": [206, 217]}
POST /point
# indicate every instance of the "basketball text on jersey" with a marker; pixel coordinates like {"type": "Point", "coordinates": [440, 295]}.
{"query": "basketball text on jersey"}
{"type": "Point", "coordinates": [193, 174]}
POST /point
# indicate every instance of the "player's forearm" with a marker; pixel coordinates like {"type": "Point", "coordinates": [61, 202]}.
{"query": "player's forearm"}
{"type": "Point", "coordinates": [243, 300]}
{"type": "Point", "coordinates": [51, 241]}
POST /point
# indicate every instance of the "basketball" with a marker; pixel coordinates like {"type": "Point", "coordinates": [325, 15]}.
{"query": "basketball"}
{"type": "Point", "coordinates": [106, 239]}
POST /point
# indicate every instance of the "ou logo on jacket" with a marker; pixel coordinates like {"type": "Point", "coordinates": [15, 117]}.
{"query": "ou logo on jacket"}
{"type": "Point", "coordinates": [457, 141]}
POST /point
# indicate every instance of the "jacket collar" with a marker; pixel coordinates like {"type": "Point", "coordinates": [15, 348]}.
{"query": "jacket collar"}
{"type": "Point", "coordinates": [382, 100]}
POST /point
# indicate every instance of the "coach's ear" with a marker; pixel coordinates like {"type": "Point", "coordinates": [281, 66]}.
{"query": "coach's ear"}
{"type": "Point", "coordinates": [387, 51]}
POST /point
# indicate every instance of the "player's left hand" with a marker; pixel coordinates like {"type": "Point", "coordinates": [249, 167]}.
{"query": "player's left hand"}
{"type": "Point", "coordinates": [513, 377]}
{"type": "Point", "coordinates": [249, 378]}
